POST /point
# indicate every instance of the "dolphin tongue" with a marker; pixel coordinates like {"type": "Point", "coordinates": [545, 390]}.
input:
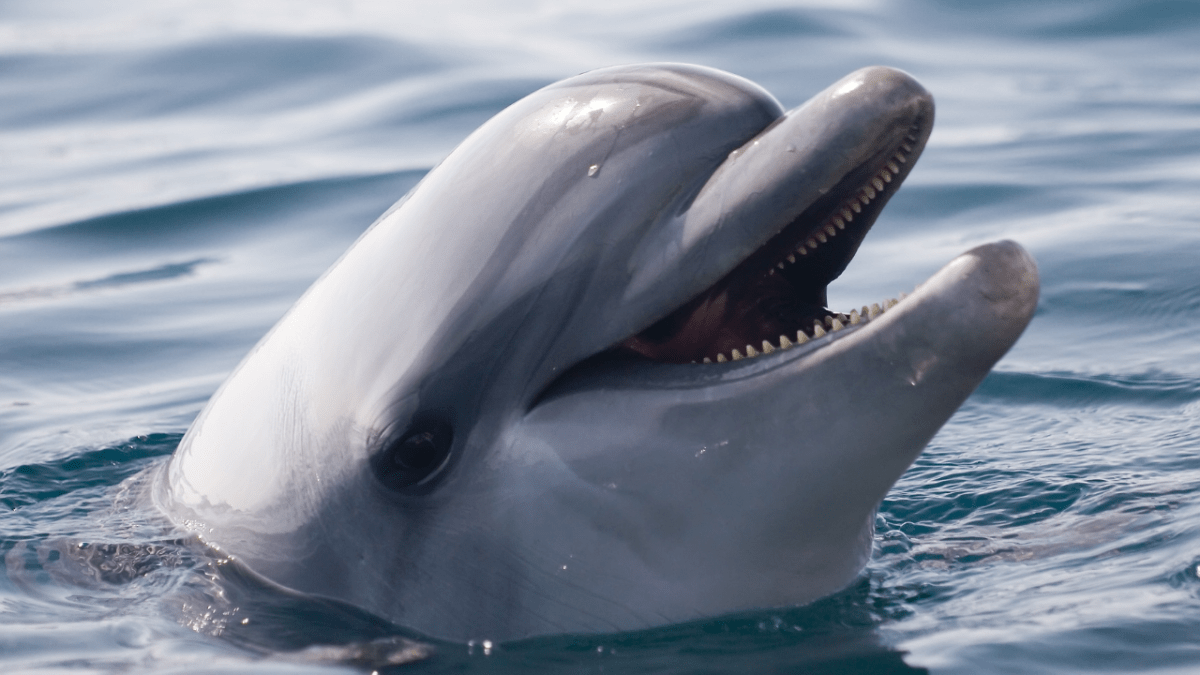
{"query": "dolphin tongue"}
{"type": "Point", "coordinates": [729, 316]}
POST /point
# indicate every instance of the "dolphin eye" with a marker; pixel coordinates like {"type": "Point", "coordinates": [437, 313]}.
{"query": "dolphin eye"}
{"type": "Point", "coordinates": [416, 458]}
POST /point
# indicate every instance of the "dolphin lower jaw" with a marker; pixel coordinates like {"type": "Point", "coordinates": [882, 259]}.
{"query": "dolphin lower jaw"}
{"type": "Point", "coordinates": [766, 473]}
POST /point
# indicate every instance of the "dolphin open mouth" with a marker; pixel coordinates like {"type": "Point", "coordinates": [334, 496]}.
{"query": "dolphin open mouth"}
{"type": "Point", "coordinates": [454, 430]}
{"type": "Point", "coordinates": [776, 298]}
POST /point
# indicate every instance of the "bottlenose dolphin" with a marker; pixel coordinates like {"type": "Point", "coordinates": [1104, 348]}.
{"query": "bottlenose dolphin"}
{"type": "Point", "coordinates": [583, 376]}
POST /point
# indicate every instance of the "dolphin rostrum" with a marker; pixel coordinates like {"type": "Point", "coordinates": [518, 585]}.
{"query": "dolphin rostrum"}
{"type": "Point", "coordinates": [583, 377]}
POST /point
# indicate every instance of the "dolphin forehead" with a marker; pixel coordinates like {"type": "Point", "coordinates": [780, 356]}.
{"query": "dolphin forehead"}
{"type": "Point", "coordinates": [536, 206]}
{"type": "Point", "coordinates": [564, 186]}
{"type": "Point", "coordinates": [451, 284]}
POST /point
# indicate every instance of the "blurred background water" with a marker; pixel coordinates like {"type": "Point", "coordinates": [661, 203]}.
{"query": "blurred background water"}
{"type": "Point", "coordinates": [174, 174]}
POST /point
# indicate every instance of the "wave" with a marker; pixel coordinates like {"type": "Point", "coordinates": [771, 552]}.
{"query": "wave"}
{"type": "Point", "coordinates": [229, 215]}
{"type": "Point", "coordinates": [1075, 390]}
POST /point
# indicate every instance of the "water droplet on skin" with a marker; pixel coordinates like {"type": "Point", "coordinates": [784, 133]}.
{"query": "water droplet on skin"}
{"type": "Point", "coordinates": [791, 148]}
{"type": "Point", "coordinates": [593, 170]}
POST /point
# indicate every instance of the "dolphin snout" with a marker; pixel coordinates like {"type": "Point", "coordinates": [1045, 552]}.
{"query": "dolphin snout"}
{"type": "Point", "coordinates": [981, 301]}
{"type": "Point", "coordinates": [1008, 279]}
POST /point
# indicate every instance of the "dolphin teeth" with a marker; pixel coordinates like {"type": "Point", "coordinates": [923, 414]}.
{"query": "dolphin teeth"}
{"type": "Point", "coordinates": [801, 338]}
{"type": "Point", "coordinates": [830, 229]}
{"type": "Point", "coordinates": [886, 176]}
{"type": "Point", "coordinates": [707, 360]}
{"type": "Point", "coordinates": [869, 192]}
{"type": "Point", "coordinates": [779, 265]}
{"type": "Point", "coordinates": [836, 326]}
{"type": "Point", "coordinates": [818, 331]}
{"type": "Point", "coordinates": [827, 321]}
{"type": "Point", "coordinates": [864, 198]}
{"type": "Point", "coordinates": [767, 347]}
{"type": "Point", "coordinates": [877, 183]}
{"type": "Point", "coordinates": [890, 303]}
{"type": "Point", "coordinates": [791, 258]}
{"type": "Point", "coordinates": [906, 147]}
{"type": "Point", "coordinates": [784, 342]}
{"type": "Point", "coordinates": [854, 318]}
{"type": "Point", "coordinates": [874, 311]}
{"type": "Point", "coordinates": [841, 224]}
{"type": "Point", "coordinates": [751, 352]}
{"type": "Point", "coordinates": [721, 358]}
{"type": "Point", "coordinates": [802, 251]}
{"type": "Point", "coordinates": [821, 237]}
{"type": "Point", "coordinates": [848, 215]}
{"type": "Point", "coordinates": [893, 168]}
{"type": "Point", "coordinates": [737, 356]}
{"type": "Point", "coordinates": [811, 244]}
{"type": "Point", "coordinates": [856, 206]}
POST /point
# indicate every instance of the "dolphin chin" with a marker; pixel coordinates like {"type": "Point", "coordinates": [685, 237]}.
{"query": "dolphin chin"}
{"type": "Point", "coordinates": [583, 377]}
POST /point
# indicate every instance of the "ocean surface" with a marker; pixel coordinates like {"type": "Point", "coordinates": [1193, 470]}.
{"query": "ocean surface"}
{"type": "Point", "coordinates": [173, 175]}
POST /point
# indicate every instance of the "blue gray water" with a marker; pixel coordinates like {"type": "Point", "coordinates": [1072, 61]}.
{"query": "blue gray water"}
{"type": "Point", "coordinates": [174, 175]}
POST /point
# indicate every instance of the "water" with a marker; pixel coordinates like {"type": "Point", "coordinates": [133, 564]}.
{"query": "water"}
{"type": "Point", "coordinates": [174, 175]}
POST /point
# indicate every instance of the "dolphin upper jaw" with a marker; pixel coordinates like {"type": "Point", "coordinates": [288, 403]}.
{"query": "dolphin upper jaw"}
{"type": "Point", "coordinates": [800, 157]}
{"type": "Point", "coordinates": [787, 186]}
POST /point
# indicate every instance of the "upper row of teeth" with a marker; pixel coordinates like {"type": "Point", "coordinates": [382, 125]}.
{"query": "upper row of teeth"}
{"type": "Point", "coordinates": [831, 324]}
{"type": "Point", "coordinates": [835, 222]}
{"type": "Point", "coordinates": [853, 205]}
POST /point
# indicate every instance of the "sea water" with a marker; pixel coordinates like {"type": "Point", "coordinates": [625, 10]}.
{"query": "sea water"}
{"type": "Point", "coordinates": [174, 175]}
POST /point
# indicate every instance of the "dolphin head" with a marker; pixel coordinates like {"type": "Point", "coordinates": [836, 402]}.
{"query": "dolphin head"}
{"type": "Point", "coordinates": [583, 376]}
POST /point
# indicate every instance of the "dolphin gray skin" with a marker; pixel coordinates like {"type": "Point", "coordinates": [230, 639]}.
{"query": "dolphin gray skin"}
{"type": "Point", "coordinates": [484, 421]}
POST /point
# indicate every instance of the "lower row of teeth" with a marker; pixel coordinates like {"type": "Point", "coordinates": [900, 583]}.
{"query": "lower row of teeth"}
{"type": "Point", "coordinates": [831, 324]}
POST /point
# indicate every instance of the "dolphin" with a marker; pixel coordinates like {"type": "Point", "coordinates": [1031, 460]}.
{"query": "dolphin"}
{"type": "Point", "coordinates": [582, 378]}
